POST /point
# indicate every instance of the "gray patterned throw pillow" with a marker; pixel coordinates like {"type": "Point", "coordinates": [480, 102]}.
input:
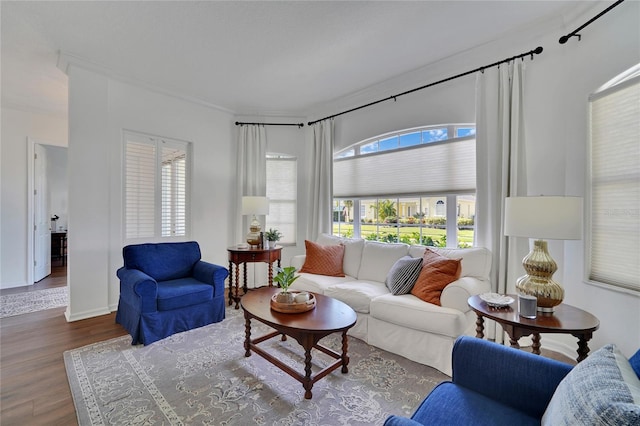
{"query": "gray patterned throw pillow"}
{"type": "Point", "coordinates": [403, 275]}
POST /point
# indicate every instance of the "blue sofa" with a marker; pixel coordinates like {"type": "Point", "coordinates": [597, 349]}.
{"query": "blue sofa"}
{"type": "Point", "coordinates": [497, 385]}
{"type": "Point", "coordinates": [165, 288]}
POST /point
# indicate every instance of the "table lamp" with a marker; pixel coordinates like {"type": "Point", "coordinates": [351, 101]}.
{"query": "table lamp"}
{"type": "Point", "coordinates": [551, 218]}
{"type": "Point", "coordinates": [252, 205]}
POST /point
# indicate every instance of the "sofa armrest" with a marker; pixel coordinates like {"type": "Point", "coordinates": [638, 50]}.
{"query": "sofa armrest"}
{"type": "Point", "coordinates": [298, 261]}
{"type": "Point", "coordinates": [516, 378]}
{"type": "Point", "coordinates": [210, 273]}
{"type": "Point", "coordinates": [456, 294]}
{"type": "Point", "coordinates": [138, 289]}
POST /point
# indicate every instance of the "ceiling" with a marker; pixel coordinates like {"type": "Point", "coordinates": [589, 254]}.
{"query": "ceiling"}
{"type": "Point", "coordinates": [247, 57]}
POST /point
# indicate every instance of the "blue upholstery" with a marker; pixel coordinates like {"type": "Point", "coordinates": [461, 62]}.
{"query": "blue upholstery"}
{"type": "Point", "coordinates": [491, 385]}
{"type": "Point", "coordinates": [165, 289]}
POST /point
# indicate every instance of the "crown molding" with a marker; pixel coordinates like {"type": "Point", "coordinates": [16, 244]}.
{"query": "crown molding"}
{"type": "Point", "coordinates": [66, 59]}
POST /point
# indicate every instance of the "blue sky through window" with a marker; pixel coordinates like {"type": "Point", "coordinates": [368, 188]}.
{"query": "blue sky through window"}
{"type": "Point", "coordinates": [434, 135]}
{"type": "Point", "coordinates": [410, 139]}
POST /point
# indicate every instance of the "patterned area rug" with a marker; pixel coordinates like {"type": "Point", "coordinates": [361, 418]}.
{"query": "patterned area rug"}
{"type": "Point", "coordinates": [202, 377]}
{"type": "Point", "coordinates": [33, 301]}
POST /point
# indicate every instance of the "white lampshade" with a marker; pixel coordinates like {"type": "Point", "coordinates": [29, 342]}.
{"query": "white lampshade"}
{"type": "Point", "coordinates": [549, 218]}
{"type": "Point", "coordinates": [252, 205]}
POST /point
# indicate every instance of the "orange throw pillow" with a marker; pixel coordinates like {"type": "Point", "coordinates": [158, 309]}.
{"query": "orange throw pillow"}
{"type": "Point", "coordinates": [437, 272]}
{"type": "Point", "coordinates": [323, 260]}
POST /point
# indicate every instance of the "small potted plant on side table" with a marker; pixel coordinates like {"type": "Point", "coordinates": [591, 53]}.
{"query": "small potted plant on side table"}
{"type": "Point", "coordinates": [273, 236]}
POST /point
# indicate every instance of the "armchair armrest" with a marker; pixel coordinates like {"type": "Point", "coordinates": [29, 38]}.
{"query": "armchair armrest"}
{"type": "Point", "coordinates": [211, 274]}
{"type": "Point", "coordinates": [400, 421]}
{"type": "Point", "coordinates": [519, 379]}
{"type": "Point", "coordinates": [138, 289]}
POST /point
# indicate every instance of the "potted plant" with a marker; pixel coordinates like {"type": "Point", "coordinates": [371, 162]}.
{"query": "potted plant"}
{"type": "Point", "coordinates": [273, 236]}
{"type": "Point", "coordinates": [285, 277]}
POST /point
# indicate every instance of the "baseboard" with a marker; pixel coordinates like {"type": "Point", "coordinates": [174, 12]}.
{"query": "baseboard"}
{"type": "Point", "coordinates": [86, 314]}
{"type": "Point", "coordinates": [4, 286]}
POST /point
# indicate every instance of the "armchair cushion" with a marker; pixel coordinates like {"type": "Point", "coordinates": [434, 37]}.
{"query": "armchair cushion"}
{"type": "Point", "coordinates": [176, 294]}
{"type": "Point", "coordinates": [164, 261]}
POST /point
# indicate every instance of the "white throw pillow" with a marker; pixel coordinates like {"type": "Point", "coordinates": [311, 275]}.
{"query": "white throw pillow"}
{"type": "Point", "coordinates": [378, 258]}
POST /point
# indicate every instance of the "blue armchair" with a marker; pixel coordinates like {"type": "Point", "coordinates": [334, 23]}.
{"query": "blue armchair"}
{"type": "Point", "coordinates": [165, 288]}
{"type": "Point", "coordinates": [497, 385]}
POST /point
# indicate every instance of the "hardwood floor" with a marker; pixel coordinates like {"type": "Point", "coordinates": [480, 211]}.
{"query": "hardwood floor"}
{"type": "Point", "coordinates": [33, 382]}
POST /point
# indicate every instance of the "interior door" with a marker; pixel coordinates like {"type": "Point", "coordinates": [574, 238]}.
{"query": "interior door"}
{"type": "Point", "coordinates": [42, 222]}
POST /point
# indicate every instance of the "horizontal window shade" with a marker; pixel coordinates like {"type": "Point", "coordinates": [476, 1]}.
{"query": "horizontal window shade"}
{"type": "Point", "coordinates": [140, 182]}
{"type": "Point", "coordinates": [282, 193]}
{"type": "Point", "coordinates": [433, 168]}
{"type": "Point", "coordinates": [615, 186]}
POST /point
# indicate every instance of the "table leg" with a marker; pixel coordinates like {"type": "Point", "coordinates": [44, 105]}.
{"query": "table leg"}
{"type": "Point", "coordinates": [535, 346]}
{"type": "Point", "coordinates": [237, 289]}
{"type": "Point", "coordinates": [307, 383]}
{"type": "Point", "coordinates": [230, 283]}
{"type": "Point", "coordinates": [480, 327]}
{"type": "Point", "coordinates": [583, 346]}
{"type": "Point", "coordinates": [345, 358]}
{"type": "Point", "coordinates": [270, 274]}
{"type": "Point", "coordinates": [244, 283]}
{"type": "Point", "coordinates": [247, 332]}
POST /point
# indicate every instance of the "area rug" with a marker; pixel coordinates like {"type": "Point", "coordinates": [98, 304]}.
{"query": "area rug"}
{"type": "Point", "coordinates": [33, 301]}
{"type": "Point", "coordinates": [202, 377]}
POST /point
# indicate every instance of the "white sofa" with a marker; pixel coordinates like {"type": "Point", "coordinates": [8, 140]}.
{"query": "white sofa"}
{"type": "Point", "coordinates": [404, 324]}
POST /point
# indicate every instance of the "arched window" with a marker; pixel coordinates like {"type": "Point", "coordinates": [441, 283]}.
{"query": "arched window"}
{"type": "Point", "coordinates": [402, 184]}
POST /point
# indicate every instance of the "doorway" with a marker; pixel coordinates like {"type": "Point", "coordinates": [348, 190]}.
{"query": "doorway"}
{"type": "Point", "coordinates": [47, 209]}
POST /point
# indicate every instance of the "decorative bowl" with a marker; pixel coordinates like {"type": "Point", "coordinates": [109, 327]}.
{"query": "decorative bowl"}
{"type": "Point", "coordinates": [294, 307]}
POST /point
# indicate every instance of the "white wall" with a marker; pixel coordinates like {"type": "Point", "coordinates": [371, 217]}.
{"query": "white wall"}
{"type": "Point", "coordinates": [17, 126]}
{"type": "Point", "coordinates": [99, 109]}
{"type": "Point", "coordinates": [558, 83]}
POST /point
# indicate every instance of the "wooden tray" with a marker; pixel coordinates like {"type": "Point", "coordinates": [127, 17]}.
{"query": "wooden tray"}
{"type": "Point", "coordinates": [293, 308]}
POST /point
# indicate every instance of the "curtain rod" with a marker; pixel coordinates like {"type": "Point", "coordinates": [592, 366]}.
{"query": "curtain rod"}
{"type": "Point", "coordinates": [574, 33]}
{"type": "Point", "coordinates": [535, 51]}
{"type": "Point", "coordinates": [239, 123]}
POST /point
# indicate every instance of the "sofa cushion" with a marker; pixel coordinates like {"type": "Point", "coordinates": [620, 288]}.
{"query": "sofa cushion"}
{"type": "Point", "coordinates": [602, 389]}
{"type": "Point", "coordinates": [409, 311]}
{"type": "Point", "coordinates": [352, 251]}
{"type": "Point", "coordinates": [323, 260]}
{"type": "Point", "coordinates": [378, 258]}
{"type": "Point", "coordinates": [175, 294]}
{"type": "Point", "coordinates": [357, 294]}
{"type": "Point", "coordinates": [317, 283]}
{"type": "Point", "coordinates": [403, 275]}
{"type": "Point", "coordinates": [437, 272]}
{"type": "Point", "coordinates": [476, 261]}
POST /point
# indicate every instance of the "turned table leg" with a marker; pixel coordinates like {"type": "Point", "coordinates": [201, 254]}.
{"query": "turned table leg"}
{"type": "Point", "coordinates": [583, 345]}
{"type": "Point", "coordinates": [480, 327]}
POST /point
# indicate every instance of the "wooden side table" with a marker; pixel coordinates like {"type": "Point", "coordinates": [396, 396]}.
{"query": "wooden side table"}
{"type": "Point", "coordinates": [565, 319]}
{"type": "Point", "coordinates": [242, 256]}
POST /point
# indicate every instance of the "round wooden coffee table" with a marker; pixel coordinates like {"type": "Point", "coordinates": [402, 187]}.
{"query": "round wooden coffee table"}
{"type": "Point", "coordinates": [565, 319]}
{"type": "Point", "coordinates": [307, 328]}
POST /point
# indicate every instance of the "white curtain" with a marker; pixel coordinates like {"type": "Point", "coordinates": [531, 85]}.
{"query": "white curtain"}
{"type": "Point", "coordinates": [501, 171]}
{"type": "Point", "coordinates": [251, 171]}
{"type": "Point", "coordinates": [321, 187]}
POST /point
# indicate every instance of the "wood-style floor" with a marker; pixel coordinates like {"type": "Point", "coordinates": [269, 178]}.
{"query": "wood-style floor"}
{"type": "Point", "coordinates": [33, 382]}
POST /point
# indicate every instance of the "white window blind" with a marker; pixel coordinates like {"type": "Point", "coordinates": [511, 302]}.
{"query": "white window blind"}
{"type": "Point", "coordinates": [434, 168]}
{"type": "Point", "coordinates": [614, 255]}
{"type": "Point", "coordinates": [155, 187]}
{"type": "Point", "coordinates": [282, 177]}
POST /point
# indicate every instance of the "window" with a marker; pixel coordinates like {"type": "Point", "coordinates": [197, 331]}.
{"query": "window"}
{"type": "Point", "coordinates": [282, 177]}
{"type": "Point", "coordinates": [415, 186]}
{"type": "Point", "coordinates": [614, 196]}
{"type": "Point", "coordinates": [156, 179]}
